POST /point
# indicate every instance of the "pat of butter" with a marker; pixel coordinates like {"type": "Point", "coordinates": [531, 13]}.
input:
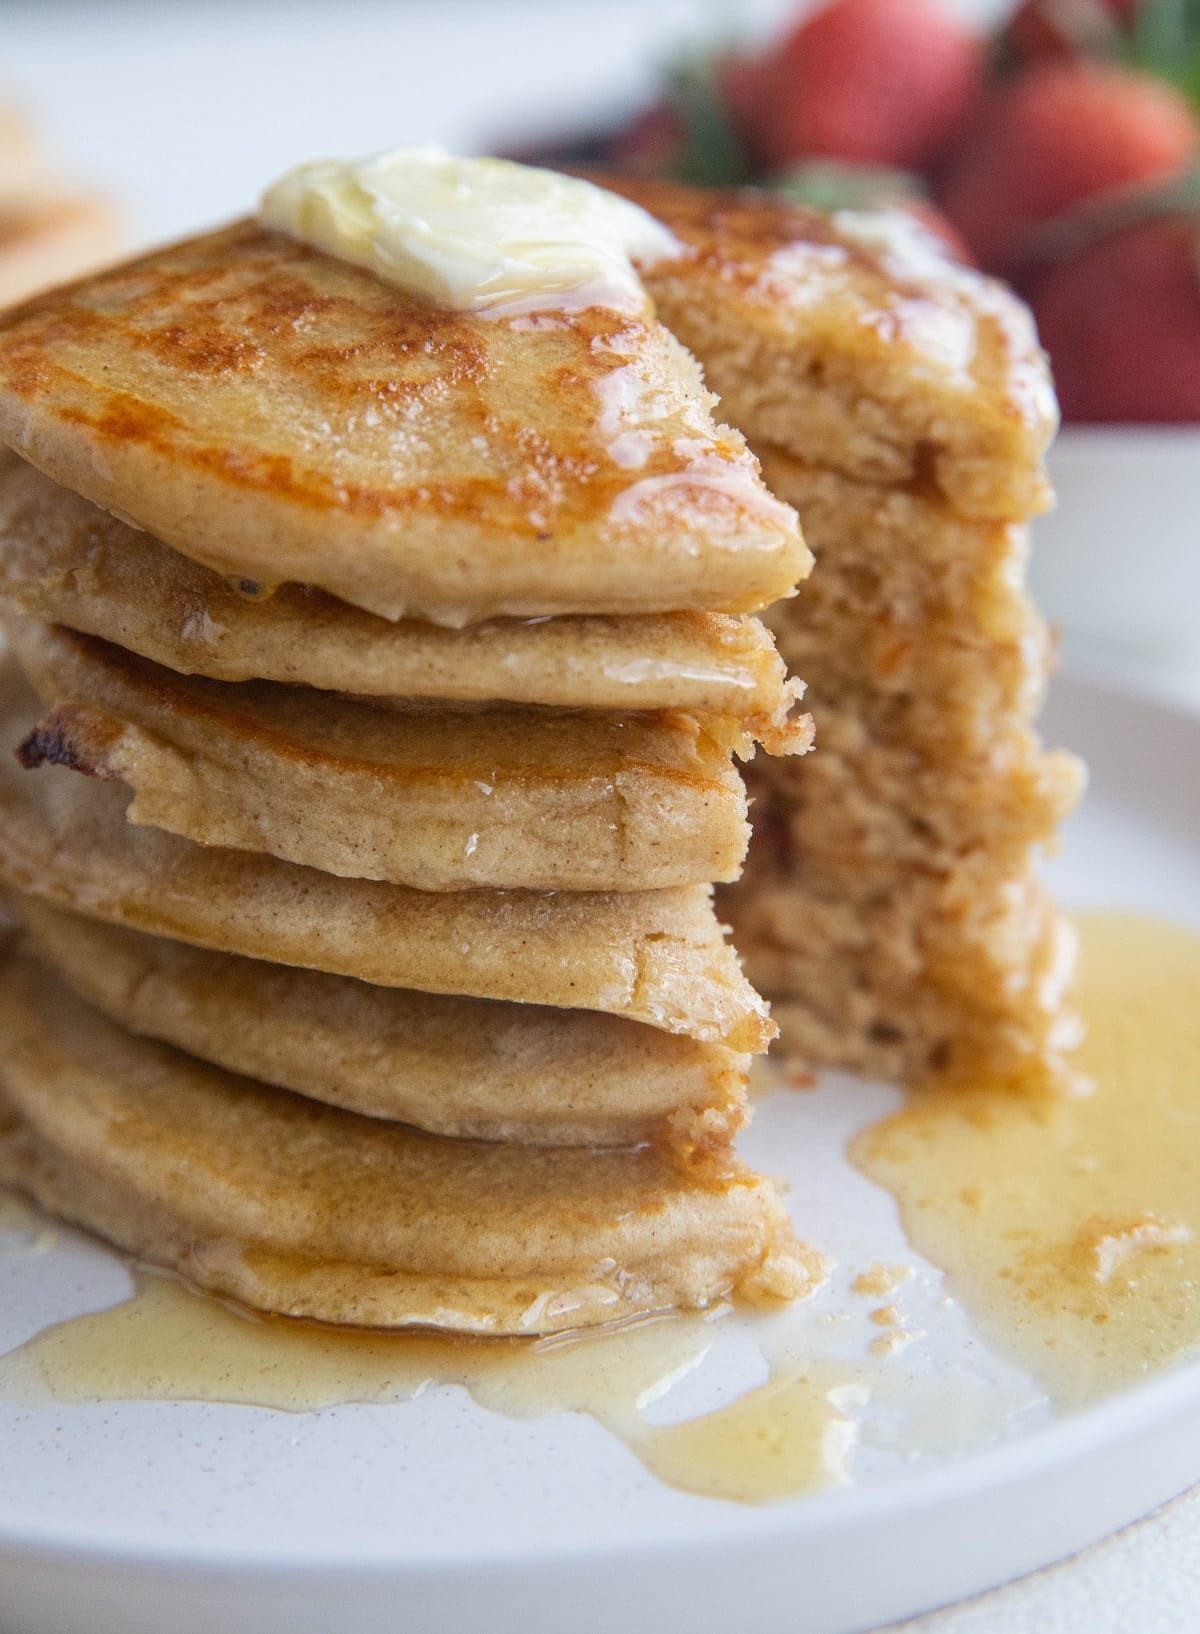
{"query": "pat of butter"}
{"type": "Point", "coordinates": [478, 235]}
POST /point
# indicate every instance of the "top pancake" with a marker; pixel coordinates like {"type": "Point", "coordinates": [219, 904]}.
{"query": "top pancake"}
{"type": "Point", "coordinates": [283, 416]}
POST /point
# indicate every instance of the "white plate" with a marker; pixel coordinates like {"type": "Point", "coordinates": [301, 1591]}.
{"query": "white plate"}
{"type": "Point", "coordinates": [436, 1515]}
{"type": "Point", "coordinates": [1116, 562]}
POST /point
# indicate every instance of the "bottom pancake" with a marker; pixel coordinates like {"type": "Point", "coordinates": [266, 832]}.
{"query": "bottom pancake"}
{"type": "Point", "coordinates": [305, 1210]}
{"type": "Point", "coordinates": [475, 1068]}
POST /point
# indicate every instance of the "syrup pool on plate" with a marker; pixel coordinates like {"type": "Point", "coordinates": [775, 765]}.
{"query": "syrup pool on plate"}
{"type": "Point", "coordinates": [1070, 1228]}
{"type": "Point", "coordinates": [170, 1343]}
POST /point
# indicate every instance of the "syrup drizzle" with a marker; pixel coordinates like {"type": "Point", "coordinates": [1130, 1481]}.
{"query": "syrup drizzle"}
{"type": "Point", "coordinates": [1070, 1229]}
{"type": "Point", "coordinates": [22, 1229]}
{"type": "Point", "coordinates": [170, 1343]}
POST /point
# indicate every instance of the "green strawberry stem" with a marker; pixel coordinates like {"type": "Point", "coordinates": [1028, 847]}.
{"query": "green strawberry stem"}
{"type": "Point", "coordinates": [1115, 212]}
{"type": "Point", "coordinates": [712, 153]}
{"type": "Point", "coordinates": [838, 184]}
{"type": "Point", "coordinates": [1163, 39]}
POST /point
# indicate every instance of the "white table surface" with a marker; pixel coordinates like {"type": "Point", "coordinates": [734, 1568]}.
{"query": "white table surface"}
{"type": "Point", "coordinates": [181, 112]}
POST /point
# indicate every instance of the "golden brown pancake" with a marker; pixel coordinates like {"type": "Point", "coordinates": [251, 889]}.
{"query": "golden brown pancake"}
{"type": "Point", "coordinates": [22, 170]}
{"type": "Point", "coordinates": [303, 1209]}
{"type": "Point", "coordinates": [49, 238]}
{"type": "Point", "coordinates": [852, 343]}
{"type": "Point", "coordinates": [655, 956]}
{"type": "Point", "coordinates": [283, 416]}
{"type": "Point", "coordinates": [421, 796]}
{"type": "Point", "coordinates": [68, 562]}
{"type": "Point", "coordinates": [453, 1066]}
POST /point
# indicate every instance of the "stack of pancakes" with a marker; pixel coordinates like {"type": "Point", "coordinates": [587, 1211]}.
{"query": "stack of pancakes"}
{"type": "Point", "coordinates": [371, 973]}
{"type": "Point", "coordinates": [46, 234]}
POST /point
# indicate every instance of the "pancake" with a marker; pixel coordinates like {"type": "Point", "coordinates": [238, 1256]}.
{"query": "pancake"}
{"type": "Point", "coordinates": [891, 907]}
{"type": "Point", "coordinates": [852, 343]}
{"type": "Point", "coordinates": [283, 416]}
{"type": "Point", "coordinates": [67, 561]}
{"type": "Point", "coordinates": [303, 1209]}
{"type": "Point", "coordinates": [22, 169]}
{"type": "Point", "coordinates": [439, 800]}
{"type": "Point", "coordinates": [453, 1066]}
{"type": "Point", "coordinates": [655, 956]}
{"type": "Point", "coordinates": [49, 238]}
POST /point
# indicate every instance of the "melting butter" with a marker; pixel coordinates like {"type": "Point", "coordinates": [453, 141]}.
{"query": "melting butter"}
{"type": "Point", "coordinates": [1070, 1229]}
{"type": "Point", "coordinates": [477, 235]}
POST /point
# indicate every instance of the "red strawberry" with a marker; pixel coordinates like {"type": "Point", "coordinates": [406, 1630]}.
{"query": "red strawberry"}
{"type": "Point", "coordinates": [1059, 134]}
{"type": "Point", "coordinates": [1121, 321]}
{"type": "Point", "coordinates": [651, 145]}
{"type": "Point", "coordinates": [885, 82]}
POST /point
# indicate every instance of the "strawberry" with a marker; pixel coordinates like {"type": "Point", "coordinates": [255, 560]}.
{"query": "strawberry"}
{"type": "Point", "coordinates": [651, 144]}
{"type": "Point", "coordinates": [1121, 321]}
{"type": "Point", "coordinates": [1057, 135]}
{"type": "Point", "coordinates": [881, 82]}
